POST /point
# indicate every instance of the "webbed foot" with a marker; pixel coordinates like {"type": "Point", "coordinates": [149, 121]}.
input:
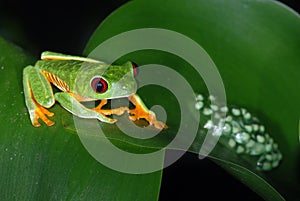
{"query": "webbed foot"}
{"type": "Point", "coordinates": [117, 111]}
{"type": "Point", "coordinates": [41, 113]}
{"type": "Point", "coordinates": [142, 112]}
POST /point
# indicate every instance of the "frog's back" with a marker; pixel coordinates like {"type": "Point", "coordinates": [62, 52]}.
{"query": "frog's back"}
{"type": "Point", "coordinates": [64, 72]}
{"type": "Point", "coordinates": [59, 67]}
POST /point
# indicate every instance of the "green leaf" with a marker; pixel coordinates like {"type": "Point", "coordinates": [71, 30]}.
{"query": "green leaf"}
{"type": "Point", "coordinates": [255, 45]}
{"type": "Point", "coordinates": [50, 163]}
{"type": "Point", "coordinates": [257, 57]}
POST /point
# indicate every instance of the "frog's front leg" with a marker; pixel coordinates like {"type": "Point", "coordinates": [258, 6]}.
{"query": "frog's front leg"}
{"type": "Point", "coordinates": [142, 112]}
{"type": "Point", "coordinates": [117, 111]}
{"type": "Point", "coordinates": [70, 102]}
{"type": "Point", "coordinates": [38, 96]}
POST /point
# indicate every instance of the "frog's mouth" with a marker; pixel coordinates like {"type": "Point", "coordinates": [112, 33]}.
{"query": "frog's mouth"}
{"type": "Point", "coordinates": [83, 98]}
{"type": "Point", "coordinates": [124, 96]}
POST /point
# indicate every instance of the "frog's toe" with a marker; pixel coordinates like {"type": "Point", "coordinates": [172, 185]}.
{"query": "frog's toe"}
{"type": "Point", "coordinates": [148, 115]}
{"type": "Point", "coordinates": [105, 119]}
{"type": "Point", "coordinates": [117, 111]}
{"type": "Point", "coordinates": [42, 113]}
{"type": "Point", "coordinates": [35, 122]}
{"type": "Point", "coordinates": [159, 125]}
{"type": "Point", "coordinates": [103, 113]}
{"type": "Point", "coordinates": [112, 121]}
{"type": "Point", "coordinates": [133, 117]}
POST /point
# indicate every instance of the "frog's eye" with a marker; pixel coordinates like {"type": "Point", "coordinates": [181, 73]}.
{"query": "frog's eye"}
{"type": "Point", "coordinates": [99, 85]}
{"type": "Point", "coordinates": [135, 68]}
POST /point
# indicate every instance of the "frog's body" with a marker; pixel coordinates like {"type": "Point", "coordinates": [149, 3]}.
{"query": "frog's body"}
{"type": "Point", "coordinates": [81, 79]}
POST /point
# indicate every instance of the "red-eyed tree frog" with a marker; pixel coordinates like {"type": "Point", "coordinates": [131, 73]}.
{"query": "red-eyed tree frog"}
{"type": "Point", "coordinates": [82, 79]}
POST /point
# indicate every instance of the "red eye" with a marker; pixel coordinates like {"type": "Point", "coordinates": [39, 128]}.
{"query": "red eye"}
{"type": "Point", "coordinates": [99, 85]}
{"type": "Point", "coordinates": [135, 68]}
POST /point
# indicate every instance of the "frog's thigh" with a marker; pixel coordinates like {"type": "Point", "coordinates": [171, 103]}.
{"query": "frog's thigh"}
{"type": "Point", "coordinates": [75, 107]}
{"type": "Point", "coordinates": [37, 88]}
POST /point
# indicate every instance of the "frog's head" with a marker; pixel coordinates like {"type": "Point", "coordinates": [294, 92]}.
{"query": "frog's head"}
{"type": "Point", "coordinates": [109, 82]}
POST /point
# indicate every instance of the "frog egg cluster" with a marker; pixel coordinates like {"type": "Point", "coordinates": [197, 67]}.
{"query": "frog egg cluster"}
{"type": "Point", "coordinates": [242, 132]}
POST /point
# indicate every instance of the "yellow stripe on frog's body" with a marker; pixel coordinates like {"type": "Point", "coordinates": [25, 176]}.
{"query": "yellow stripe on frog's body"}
{"type": "Point", "coordinates": [58, 56]}
{"type": "Point", "coordinates": [63, 86]}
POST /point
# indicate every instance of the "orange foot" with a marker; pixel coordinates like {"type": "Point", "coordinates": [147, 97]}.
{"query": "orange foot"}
{"type": "Point", "coordinates": [117, 111]}
{"type": "Point", "coordinates": [141, 112]}
{"type": "Point", "coordinates": [40, 113]}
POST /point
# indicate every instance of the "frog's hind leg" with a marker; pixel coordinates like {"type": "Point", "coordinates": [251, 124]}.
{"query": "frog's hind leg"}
{"type": "Point", "coordinates": [38, 96]}
{"type": "Point", "coordinates": [142, 112]}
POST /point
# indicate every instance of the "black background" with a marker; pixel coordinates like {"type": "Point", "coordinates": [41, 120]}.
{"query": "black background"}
{"type": "Point", "coordinates": [46, 25]}
{"type": "Point", "coordinates": [39, 25]}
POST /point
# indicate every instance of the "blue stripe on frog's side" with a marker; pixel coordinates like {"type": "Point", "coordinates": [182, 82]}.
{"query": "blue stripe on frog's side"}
{"type": "Point", "coordinates": [242, 132]}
